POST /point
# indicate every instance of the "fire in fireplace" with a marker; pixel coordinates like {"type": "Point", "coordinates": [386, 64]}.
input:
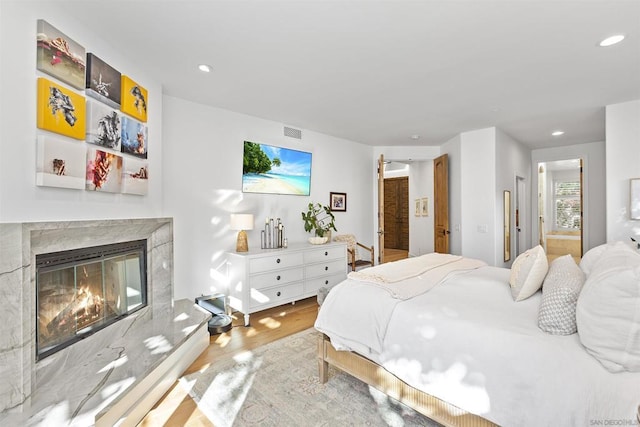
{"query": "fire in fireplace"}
{"type": "Point", "coordinates": [80, 291]}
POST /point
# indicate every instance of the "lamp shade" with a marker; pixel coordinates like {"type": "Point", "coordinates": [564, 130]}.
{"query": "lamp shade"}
{"type": "Point", "coordinates": [242, 221]}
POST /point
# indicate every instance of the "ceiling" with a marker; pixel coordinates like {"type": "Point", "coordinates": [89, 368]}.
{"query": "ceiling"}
{"type": "Point", "coordinates": [379, 72]}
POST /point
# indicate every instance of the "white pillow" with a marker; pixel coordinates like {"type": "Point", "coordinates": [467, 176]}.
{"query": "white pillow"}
{"type": "Point", "coordinates": [608, 310]}
{"type": "Point", "coordinates": [560, 291]}
{"type": "Point", "coordinates": [593, 255]}
{"type": "Point", "coordinates": [527, 273]}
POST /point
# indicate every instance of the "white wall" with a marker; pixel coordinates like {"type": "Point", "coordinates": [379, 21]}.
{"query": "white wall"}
{"type": "Point", "coordinates": [623, 163]}
{"type": "Point", "coordinates": [20, 198]}
{"type": "Point", "coordinates": [512, 160]}
{"type": "Point", "coordinates": [420, 227]}
{"type": "Point", "coordinates": [594, 180]}
{"type": "Point", "coordinates": [203, 185]}
{"type": "Point", "coordinates": [479, 226]}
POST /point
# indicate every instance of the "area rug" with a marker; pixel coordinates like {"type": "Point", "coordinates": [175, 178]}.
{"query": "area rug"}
{"type": "Point", "coordinates": [277, 385]}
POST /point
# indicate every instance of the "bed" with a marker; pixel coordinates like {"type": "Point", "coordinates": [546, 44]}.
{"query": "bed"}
{"type": "Point", "coordinates": [468, 350]}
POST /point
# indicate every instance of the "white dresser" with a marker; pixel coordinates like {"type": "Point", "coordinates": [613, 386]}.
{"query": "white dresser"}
{"type": "Point", "coordinates": [265, 278]}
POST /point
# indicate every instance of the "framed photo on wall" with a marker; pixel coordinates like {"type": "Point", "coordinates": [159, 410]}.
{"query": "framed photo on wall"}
{"type": "Point", "coordinates": [424, 204]}
{"type": "Point", "coordinates": [338, 202]}
{"type": "Point", "coordinates": [60, 56]}
{"type": "Point", "coordinates": [60, 110]}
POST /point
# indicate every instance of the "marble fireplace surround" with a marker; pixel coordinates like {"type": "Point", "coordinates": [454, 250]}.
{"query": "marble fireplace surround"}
{"type": "Point", "coordinates": [115, 375]}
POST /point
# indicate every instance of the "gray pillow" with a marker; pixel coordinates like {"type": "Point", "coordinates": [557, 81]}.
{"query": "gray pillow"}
{"type": "Point", "coordinates": [560, 292]}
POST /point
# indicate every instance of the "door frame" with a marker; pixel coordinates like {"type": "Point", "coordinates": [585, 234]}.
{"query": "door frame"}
{"type": "Point", "coordinates": [584, 196]}
{"type": "Point", "coordinates": [521, 224]}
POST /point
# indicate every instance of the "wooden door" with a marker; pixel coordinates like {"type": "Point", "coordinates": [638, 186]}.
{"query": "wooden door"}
{"type": "Point", "coordinates": [441, 204]}
{"type": "Point", "coordinates": [396, 213]}
{"type": "Point", "coordinates": [381, 209]}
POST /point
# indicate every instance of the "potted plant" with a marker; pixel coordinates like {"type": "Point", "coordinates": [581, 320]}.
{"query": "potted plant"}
{"type": "Point", "coordinates": [319, 219]}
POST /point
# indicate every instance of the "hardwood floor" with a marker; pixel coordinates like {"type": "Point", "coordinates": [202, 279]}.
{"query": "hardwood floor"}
{"type": "Point", "coordinates": [395, 254]}
{"type": "Point", "coordinates": [177, 408]}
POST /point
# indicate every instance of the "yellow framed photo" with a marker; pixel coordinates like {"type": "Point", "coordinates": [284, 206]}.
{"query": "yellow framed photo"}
{"type": "Point", "coordinates": [134, 99]}
{"type": "Point", "coordinates": [60, 110]}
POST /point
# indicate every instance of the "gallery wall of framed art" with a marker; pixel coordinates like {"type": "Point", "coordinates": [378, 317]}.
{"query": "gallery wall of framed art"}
{"type": "Point", "coordinates": [91, 119]}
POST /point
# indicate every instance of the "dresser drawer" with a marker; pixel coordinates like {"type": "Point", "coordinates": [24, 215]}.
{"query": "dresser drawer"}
{"type": "Point", "coordinates": [311, 286]}
{"type": "Point", "coordinates": [322, 254]}
{"type": "Point", "coordinates": [276, 278]}
{"type": "Point", "coordinates": [278, 261]}
{"type": "Point", "coordinates": [273, 296]}
{"type": "Point", "coordinates": [325, 268]}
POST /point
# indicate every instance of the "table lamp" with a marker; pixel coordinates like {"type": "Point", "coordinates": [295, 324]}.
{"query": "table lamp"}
{"type": "Point", "coordinates": [242, 222]}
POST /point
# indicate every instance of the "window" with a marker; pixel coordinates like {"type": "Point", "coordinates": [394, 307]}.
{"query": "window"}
{"type": "Point", "coordinates": [566, 202]}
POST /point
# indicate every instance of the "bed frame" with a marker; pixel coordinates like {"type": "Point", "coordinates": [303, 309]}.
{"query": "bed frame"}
{"type": "Point", "coordinates": [376, 376]}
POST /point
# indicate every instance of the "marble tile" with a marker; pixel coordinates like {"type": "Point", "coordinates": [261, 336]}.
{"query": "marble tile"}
{"type": "Point", "coordinates": [71, 386]}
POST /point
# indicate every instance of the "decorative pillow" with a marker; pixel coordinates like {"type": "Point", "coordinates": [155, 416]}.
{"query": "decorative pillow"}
{"type": "Point", "coordinates": [560, 291]}
{"type": "Point", "coordinates": [608, 310]}
{"type": "Point", "coordinates": [527, 273]}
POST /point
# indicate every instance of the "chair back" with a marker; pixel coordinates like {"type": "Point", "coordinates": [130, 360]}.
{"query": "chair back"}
{"type": "Point", "coordinates": [351, 242]}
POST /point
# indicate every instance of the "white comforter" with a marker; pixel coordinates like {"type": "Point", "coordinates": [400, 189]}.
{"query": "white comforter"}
{"type": "Point", "coordinates": [467, 342]}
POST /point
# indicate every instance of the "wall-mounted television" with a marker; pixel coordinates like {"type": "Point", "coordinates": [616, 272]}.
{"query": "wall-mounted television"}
{"type": "Point", "coordinates": [275, 170]}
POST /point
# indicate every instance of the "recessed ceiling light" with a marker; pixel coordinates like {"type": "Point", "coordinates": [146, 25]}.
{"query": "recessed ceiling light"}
{"type": "Point", "coordinates": [609, 41]}
{"type": "Point", "coordinates": [557, 133]}
{"type": "Point", "coordinates": [415, 137]}
{"type": "Point", "coordinates": [204, 68]}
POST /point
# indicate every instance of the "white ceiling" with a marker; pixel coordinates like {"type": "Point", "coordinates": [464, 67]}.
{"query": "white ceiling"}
{"type": "Point", "coordinates": [377, 72]}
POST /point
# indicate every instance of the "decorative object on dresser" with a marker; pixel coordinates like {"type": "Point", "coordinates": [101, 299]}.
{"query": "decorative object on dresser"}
{"type": "Point", "coordinates": [267, 278]}
{"type": "Point", "coordinates": [319, 219]}
{"type": "Point", "coordinates": [240, 223]}
{"type": "Point", "coordinates": [272, 237]}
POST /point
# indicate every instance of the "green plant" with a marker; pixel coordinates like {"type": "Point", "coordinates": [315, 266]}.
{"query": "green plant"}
{"type": "Point", "coordinates": [319, 219]}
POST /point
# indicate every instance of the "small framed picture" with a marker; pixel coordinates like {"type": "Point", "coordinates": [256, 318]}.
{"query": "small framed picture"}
{"type": "Point", "coordinates": [338, 202]}
{"type": "Point", "coordinates": [425, 206]}
{"type": "Point", "coordinates": [418, 210]}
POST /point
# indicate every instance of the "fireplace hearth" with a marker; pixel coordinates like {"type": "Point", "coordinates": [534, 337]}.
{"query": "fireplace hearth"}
{"type": "Point", "coordinates": [80, 291]}
{"type": "Point", "coordinates": [114, 375]}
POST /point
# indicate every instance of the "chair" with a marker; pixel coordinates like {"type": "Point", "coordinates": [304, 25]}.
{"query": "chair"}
{"type": "Point", "coordinates": [354, 259]}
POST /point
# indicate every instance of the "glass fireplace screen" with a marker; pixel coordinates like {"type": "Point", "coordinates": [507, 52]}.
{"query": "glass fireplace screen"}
{"type": "Point", "coordinates": [81, 291]}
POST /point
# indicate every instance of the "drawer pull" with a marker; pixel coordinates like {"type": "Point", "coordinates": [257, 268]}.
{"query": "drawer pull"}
{"type": "Point", "coordinates": [326, 268]}
{"type": "Point", "coordinates": [326, 253]}
{"type": "Point", "coordinates": [278, 261]}
{"type": "Point", "coordinates": [326, 282]}
{"type": "Point", "coordinates": [278, 277]}
{"type": "Point", "coordinates": [278, 293]}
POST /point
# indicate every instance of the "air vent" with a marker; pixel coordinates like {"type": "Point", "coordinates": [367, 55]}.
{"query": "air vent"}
{"type": "Point", "coordinates": [292, 133]}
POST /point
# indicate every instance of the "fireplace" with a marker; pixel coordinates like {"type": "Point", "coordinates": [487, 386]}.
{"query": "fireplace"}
{"type": "Point", "coordinates": [80, 291]}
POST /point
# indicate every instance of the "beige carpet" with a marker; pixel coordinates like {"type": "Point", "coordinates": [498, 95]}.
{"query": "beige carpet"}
{"type": "Point", "coordinates": [277, 385]}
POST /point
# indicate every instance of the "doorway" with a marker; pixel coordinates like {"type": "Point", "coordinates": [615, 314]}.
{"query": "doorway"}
{"type": "Point", "coordinates": [412, 231]}
{"type": "Point", "coordinates": [560, 208]}
{"type": "Point", "coordinates": [396, 217]}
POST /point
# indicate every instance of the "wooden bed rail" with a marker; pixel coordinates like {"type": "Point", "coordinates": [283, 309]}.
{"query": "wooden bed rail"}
{"type": "Point", "coordinates": [374, 375]}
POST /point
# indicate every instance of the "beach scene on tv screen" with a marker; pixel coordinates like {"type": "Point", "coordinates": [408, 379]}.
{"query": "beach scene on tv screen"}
{"type": "Point", "coordinates": [275, 170]}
